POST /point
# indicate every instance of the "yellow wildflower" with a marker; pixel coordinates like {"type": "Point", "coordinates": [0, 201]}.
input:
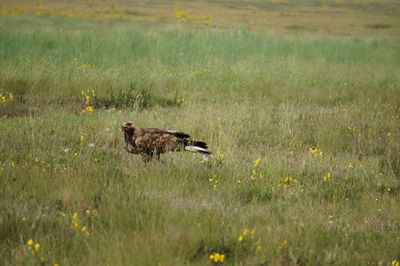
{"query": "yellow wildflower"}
{"type": "Point", "coordinates": [389, 134]}
{"type": "Point", "coordinates": [89, 110]}
{"type": "Point", "coordinates": [327, 177]}
{"type": "Point", "coordinates": [245, 231]}
{"type": "Point", "coordinates": [313, 150]}
{"type": "Point", "coordinates": [240, 238]}
{"type": "Point", "coordinates": [2, 99]}
{"type": "Point", "coordinates": [257, 162]}
{"type": "Point", "coordinates": [180, 14]}
{"type": "Point", "coordinates": [395, 263]}
{"type": "Point", "coordinates": [288, 181]}
{"type": "Point", "coordinates": [81, 138]}
{"type": "Point", "coordinates": [207, 21]}
{"type": "Point", "coordinates": [37, 247]}
{"type": "Point", "coordinates": [258, 248]}
{"type": "Point", "coordinates": [85, 66]}
{"type": "Point", "coordinates": [30, 242]}
{"type": "Point", "coordinates": [216, 257]}
{"type": "Point", "coordinates": [12, 164]}
{"type": "Point", "coordinates": [283, 244]}
{"type": "Point", "coordinates": [11, 97]}
{"type": "Point", "coordinates": [350, 165]}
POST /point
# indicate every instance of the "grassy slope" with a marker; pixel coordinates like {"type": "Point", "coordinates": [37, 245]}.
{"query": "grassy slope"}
{"type": "Point", "coordinates": [250, 96]}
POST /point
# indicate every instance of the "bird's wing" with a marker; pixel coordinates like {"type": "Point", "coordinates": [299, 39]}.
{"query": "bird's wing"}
{"type": "Point", "coordinates": [144, 142]}
{"type": "Point", "coordinates": [158, 140]}
{"type": "Point", "coordinates": [177, 134]}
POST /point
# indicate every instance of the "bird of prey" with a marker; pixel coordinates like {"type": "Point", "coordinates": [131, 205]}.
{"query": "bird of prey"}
{"type": "Point", "coordinates": [154, 141]}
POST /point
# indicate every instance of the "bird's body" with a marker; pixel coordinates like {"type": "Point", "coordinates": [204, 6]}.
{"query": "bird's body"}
{"type": "Point", "coordinates": [150, 141]}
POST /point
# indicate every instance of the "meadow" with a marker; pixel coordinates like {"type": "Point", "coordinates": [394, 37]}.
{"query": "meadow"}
{"type": "Point", "coordinates": [298, 100]}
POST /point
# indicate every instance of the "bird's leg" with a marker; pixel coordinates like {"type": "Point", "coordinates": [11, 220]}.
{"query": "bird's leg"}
{"type": "Point", "coordinates": [158, 158]}
{"type": "Point", "coordinates": [147, 157]}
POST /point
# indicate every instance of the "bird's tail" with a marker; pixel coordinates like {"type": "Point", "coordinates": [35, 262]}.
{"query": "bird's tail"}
{"type": "Point", "coordinates": [197, 149]}
{"type": "Point", "coordinates": [200, 144]}
{"type": "Point", "coordinates": [197, 146]}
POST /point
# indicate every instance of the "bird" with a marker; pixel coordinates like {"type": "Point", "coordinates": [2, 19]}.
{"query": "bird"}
{"type": "Point", "coordinates": [153, 141]}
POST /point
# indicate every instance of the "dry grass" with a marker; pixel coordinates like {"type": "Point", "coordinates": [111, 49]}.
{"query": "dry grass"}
{"type": "Point", "coordinates": [324, 16]}
{"type": "Point", "coordinates": [304, 128]}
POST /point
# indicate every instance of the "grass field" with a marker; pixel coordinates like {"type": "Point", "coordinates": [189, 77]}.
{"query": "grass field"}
{"type": "Point", "coordinates": [298, 100]}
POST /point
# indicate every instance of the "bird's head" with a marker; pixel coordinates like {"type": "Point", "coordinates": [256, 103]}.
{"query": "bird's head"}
{"type": "Point", "coordinates": [127, 126]}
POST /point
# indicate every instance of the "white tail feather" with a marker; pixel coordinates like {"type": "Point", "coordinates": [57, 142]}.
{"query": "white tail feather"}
{"type": "Point", "coordinates": [196, 149]}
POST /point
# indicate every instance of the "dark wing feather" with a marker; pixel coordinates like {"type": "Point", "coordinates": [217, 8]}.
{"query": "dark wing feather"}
{"type": "Point", "coordinates": [200, 144]}
{"type": "Point", "coordinates": [177, 134]}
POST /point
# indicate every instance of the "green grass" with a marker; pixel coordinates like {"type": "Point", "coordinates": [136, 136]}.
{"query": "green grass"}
{"type": "Point", "coordinates": [249, 96]}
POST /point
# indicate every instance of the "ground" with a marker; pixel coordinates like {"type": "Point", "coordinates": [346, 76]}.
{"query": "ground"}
{"type": "Point", "coordinates": [298, 100]}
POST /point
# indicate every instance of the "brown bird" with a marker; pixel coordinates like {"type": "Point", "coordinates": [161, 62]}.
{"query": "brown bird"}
{"type": "Point", "coordinates": [150, 141]}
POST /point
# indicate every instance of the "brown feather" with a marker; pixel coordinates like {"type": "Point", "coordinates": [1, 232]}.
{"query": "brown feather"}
{"type": "Point", "coordinates": [152, 141]}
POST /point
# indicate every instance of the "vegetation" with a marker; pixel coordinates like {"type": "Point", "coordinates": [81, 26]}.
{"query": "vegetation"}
{"type": "Point", "coordinates": [304, 129]}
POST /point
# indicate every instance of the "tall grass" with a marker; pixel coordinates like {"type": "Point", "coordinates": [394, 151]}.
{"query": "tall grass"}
{"type": "Point", "coordinates": [249, 96]}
